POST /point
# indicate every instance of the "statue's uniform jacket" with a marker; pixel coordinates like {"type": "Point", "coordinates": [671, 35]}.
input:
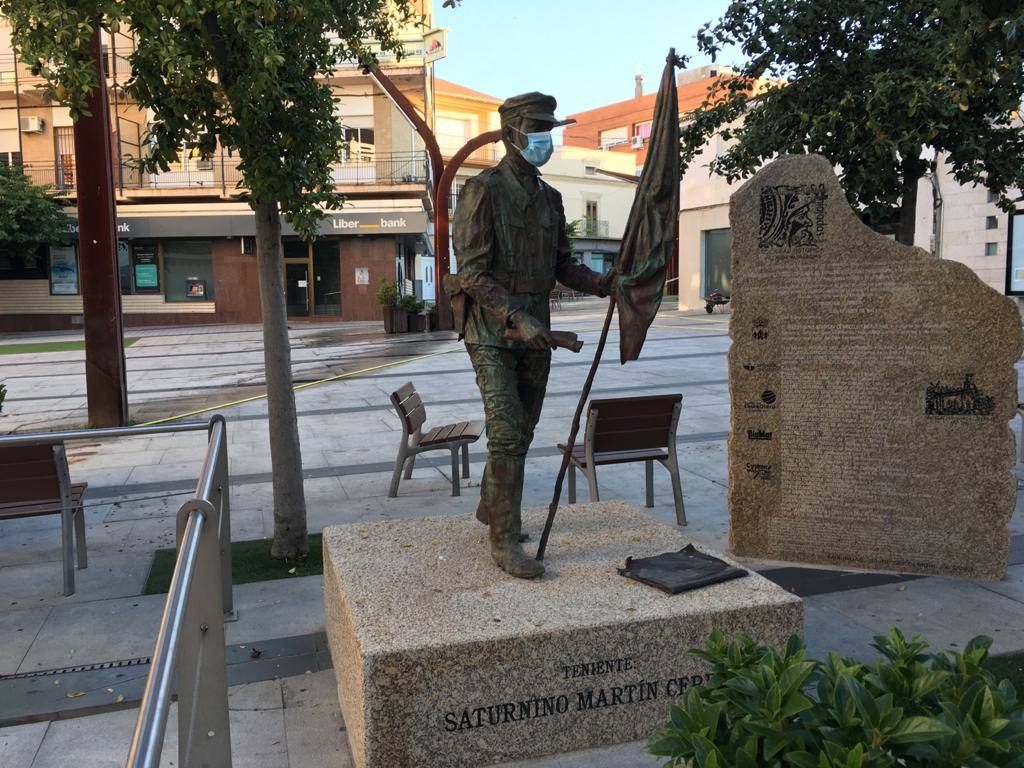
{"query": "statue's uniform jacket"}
{"type": "Point", "coordinates": [511, 246]}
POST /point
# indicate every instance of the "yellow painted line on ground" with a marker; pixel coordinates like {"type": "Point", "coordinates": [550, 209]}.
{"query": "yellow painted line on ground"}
{"type": "Point", "coordinates": [297, 387]}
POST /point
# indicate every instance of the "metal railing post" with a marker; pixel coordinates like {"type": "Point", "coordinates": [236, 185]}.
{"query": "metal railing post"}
{"type": "Point", "coordinates": [222, 499]}
{"type": "Point", "coordinates": [204, 733]}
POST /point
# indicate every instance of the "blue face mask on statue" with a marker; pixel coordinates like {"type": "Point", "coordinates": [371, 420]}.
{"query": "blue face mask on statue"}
{"type": "Point", "coordinates": [538, 149]}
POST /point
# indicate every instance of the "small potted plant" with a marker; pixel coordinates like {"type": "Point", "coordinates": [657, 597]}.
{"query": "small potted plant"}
{"type": "Point", "coordinates": [417, 321]}
{"type": "Point", "coordinates": [395, 317]}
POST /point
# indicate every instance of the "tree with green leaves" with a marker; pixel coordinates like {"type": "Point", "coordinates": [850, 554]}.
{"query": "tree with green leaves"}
{"type": "Point", "coordinates": [885, 89]}
{"type": "Point", "coordinates": [246, 78]}
{"type": "Point", "coordinates": [30, 215]}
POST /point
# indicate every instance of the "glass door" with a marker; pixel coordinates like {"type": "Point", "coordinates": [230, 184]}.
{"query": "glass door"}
{"type": "Point", "coordinates": [327, 278]}
{"type": "Point", "coordinates": [296, 288]}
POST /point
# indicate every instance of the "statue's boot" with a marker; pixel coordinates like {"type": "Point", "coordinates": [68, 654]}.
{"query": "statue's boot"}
{"type": "Point", "coordinates": [503, 495]}
{"type": "Point", "coordinates": [484, 516]}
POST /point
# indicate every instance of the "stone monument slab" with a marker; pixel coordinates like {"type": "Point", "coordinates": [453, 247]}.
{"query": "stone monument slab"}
{"type": "Point", "coordinates": [871, 384]}
{"type": "Point", "coordinates": [444, 660]}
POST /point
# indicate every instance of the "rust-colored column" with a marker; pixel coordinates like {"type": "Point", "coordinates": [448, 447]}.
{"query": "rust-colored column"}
{"type": "Point", "coordinates": [105, 380]}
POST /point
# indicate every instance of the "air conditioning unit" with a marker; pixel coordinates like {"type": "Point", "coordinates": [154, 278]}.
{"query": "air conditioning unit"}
{"type": "Point", "coordinates": [204, 165]}
{"type": "Point", "coordinates": [32, 125]}
{"type": "Point", "coordinates": [638, 142]}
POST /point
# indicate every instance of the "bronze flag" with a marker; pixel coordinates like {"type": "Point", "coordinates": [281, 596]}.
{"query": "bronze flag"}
{"type": "Point", "coordinates": [649, 240]}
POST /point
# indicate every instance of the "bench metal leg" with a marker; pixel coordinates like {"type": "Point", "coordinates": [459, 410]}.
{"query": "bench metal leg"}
{"type": "Point", "coordinates": [572, 483]}
{"type": "Point", "coordinates": [409, 464]}
{"type": "Point", "coordinates": [83, 556]}
{"type": "Point", "coordinates": [672, 465]}
{"type": "Point", "coordinates": [456, 491]}
{"type": "Point", "coordinates": [465, 459]}
{"type": "Point", "coordinates": [592, 480]}
{"type": "Point", "coordinates": [397, 475]}
{"type": "Point", "coordinates": [67, 548]}
{"type": "Point", "coordinates": [649, 481]}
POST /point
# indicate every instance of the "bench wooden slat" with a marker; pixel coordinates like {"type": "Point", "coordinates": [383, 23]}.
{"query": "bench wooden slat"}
{"type": "Point", "coordinates": [35, 508]}
{"type": "Point", "coordinates": [633, 440]}
{"type": "Point", "coordinates": [628, 407]}
{"type": "Point", "coordinates": [614, 457]}
{"type": "Point", "coordinates": [404, 391]}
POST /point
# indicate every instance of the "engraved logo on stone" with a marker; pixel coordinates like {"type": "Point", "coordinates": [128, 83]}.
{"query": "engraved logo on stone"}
{"type": "Point", "coordinates": [965, 400]}
{"type": "Point", "coordinates": [768, 402]}
{"type": "Point", "coordinates": [758, 434]}
{"type": "Point", "coordinates": [760, 471]}
{"type": "Point", "coordinates": [792, 216]}
{"type": "Point", "coordinates": [764, 367]}
{"type": "Point", "coordinates": [760, 328]}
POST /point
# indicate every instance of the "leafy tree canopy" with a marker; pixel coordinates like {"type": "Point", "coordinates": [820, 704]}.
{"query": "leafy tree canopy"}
{"type": "Point", "coordinates": [30, 216]}
{"type": "Point", "coordinates": [243, 73]}
{"type": "Point", "coordinates": [870, 84]}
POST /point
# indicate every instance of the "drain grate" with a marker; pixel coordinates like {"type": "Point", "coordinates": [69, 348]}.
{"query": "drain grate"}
{"type": "Point", "coordinates": [123, 663]}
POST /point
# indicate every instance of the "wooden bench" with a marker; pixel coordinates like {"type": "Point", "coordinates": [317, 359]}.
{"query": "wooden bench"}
{"type": "Point", "coordinates": [34, 481]}
{"type": "Point", "coordinates": [627, 430]}
{"type": "Point", "coordinates": [450, 437]}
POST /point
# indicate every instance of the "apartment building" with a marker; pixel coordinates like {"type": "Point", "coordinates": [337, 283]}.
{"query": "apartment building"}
{"type": "Point", "coordinates": [185, 246]}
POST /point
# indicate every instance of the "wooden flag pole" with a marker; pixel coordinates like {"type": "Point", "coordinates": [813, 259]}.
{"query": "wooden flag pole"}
{"type": "Point", "coordinates": [587, 385]}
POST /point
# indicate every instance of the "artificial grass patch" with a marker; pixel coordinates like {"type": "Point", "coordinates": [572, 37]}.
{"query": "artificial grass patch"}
{"type": "Point", "coordinates": [250, 561]}
{"type": "Point", "coordinates": [50, 346]}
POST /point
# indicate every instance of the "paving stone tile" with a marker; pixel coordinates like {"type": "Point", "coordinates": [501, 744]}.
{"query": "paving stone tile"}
{"type": "Point", "coordinates": [18, 630]}
{"type": "Point", "coordinates": [19, 744]}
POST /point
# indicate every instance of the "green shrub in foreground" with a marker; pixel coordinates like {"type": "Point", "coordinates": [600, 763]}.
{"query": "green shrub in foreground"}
{"type": "Point", "coordinates": [763, 708]}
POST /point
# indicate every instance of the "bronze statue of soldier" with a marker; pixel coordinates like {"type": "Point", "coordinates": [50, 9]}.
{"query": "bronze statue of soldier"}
{"type": "Point", "coordinates": [511, 246]}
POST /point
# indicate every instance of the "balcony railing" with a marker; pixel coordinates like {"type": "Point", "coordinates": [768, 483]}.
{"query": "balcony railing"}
{"type": "Point", "coordinates": [449, 145]}
{"type": "Point", "coordinates": [221, 173]}
{"type": "Point", "coordinates": [592, 228]}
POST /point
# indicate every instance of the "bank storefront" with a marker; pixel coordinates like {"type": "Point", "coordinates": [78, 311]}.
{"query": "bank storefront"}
{"type": "Point", "coordinates": [200, 267]}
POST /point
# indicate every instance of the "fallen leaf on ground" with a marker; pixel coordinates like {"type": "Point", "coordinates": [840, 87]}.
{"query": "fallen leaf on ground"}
{"type": "Point", "coordinates": [74, 694]}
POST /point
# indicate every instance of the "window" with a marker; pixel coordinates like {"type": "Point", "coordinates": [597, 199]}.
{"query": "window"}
{"type": "Point", "coordinates": [188, 270]}
{"type": "Point", "coordinates": [991, 222]}
{"type": "Point", "coordinates": [993, 197]}
{"type": "Point", "coordinates": [613, 136]}
{"type": "Point", "coordinates": [22, 266]}
{"type": "Point", "coordinates": [590, 170]}
{"type": "Point", "coordinates": [990, 249]}
{"type": "Point", "coordinates": [10, 158]}
{"type": "Point", "coordinates": [642, 130]}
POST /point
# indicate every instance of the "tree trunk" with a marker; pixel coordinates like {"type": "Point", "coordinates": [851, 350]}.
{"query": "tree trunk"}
{"type": "Point", "coordinates": [290, 539]}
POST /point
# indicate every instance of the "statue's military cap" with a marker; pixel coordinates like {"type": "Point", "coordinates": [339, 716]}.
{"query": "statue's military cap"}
{"type": "Point", "coordinates": [538, 106]}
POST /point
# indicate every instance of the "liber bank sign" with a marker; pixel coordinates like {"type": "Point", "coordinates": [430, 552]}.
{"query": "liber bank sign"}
{"type": "Point", "coordinates": [244, 224]}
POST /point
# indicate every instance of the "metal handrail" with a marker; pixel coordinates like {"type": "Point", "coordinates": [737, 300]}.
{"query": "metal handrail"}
{"type": "Point", "coordinates": [190, 641]}
{"type": "Point", "coordinates": [51, 438]}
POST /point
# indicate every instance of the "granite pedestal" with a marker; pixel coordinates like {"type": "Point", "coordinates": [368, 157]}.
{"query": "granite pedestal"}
{"type": "Point", "coordinates": [444, 660]}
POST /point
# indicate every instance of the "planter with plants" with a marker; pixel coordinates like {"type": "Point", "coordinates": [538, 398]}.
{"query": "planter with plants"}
{"type": "Point", "coordinates": [764, 708]}
{"type": "Point", "coordinates": [417, 321]}
{"type": "Point", "coordinates": [395, 317]}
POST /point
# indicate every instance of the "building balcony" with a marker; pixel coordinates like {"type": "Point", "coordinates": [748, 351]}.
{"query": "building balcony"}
{"type": "Point", "coordinates": [592, 228]}
{"type": "Point", "coordinates": [220, 176]}
{"type": "Point", "coordinates": [488, 155]}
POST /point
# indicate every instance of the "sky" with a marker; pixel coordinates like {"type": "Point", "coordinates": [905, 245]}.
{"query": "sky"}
{"type": "Point", "coordinates": [583, 52]}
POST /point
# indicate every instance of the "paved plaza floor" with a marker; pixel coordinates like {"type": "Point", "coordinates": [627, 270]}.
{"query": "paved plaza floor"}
{"type": "Point", "coordinates": [349, 439]}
